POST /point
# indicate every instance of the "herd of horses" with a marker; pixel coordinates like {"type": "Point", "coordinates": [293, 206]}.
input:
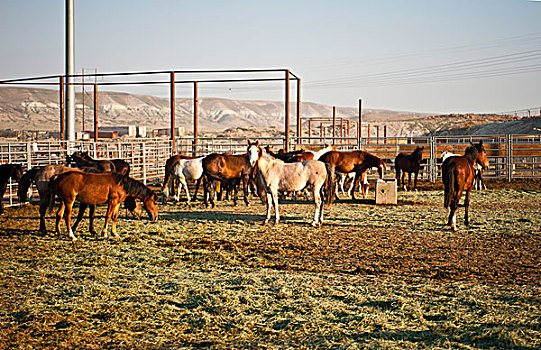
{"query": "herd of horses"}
{"type": "Point", "coordinates": [260, 170]}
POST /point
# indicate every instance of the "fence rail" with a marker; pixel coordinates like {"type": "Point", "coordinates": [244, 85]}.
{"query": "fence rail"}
{"type": "Point", "coordinates": [510, 156]}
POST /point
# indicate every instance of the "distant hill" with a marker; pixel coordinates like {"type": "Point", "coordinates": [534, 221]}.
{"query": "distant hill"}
{"type": "Point", "coordinates": [38, 109]}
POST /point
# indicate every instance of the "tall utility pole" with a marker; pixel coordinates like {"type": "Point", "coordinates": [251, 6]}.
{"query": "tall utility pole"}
{"type": "Point", "coordinates": [70, 71]}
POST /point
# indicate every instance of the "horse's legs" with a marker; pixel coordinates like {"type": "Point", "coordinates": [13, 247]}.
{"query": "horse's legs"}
{"type": "Point", "coordinates": [115, 218]}
{"type": "Point", "coordinates": [108, 216]}
{"type": "Point", "coordinates": [351, 187]}
{"type": "Point", "coordinates": [197, 183]}
{"type": "Point", "coordinates": [91, 213]}
{"type": "Point", "coordinates": [2, 192]}
{"type": "Point", "coordinates": [409, 181]}
{"type": "Point", "coordinates": [42, 211]}
{"type": "Point", "coordinates": [205, 191]}
{"type": "Point", "coordinates": [245, 183]}
{"type": "Point", "coordinates": [415, 182]}
{"type": "Point", "coordinates": [398, 177]}
{"type": "Point", "coordinates": [275, 200]}
{"type": "Point", "coordinates": [404, 180]}
{"type": "Point", "coordinates": [269, 206]}
{"type": "Point", "coordinates": [466, 207]}
{"type": "Point", "coordinates": [185, 184]}
{"type": "Point", "coordinates": [452, 214]}
{"type": "Point", "coordinates": [318, 214]}
{"type": "Point", "coordinates": [82, 209]}
{"type": "Point", "coordinates": [355, 180]}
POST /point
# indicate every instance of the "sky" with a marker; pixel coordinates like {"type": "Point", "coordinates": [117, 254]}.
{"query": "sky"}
{"type": "Point", "coordinates": [417, 55]}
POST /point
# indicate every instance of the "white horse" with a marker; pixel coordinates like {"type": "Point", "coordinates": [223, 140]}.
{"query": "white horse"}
{"type": "Point", "coordinates": [478, 182]}
{"type": "Point", "coordinates": [183, 170]}
{"type": "Point", "coordinates": [279, 176]}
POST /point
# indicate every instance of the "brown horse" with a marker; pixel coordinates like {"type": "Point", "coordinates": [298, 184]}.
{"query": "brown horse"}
{"type": "Point", "coordinates": [94, 189]}
{"type": "Point", "coordinates": [81, 161]}
{"type": "Point", "coordinates": [458, 175]}
{"type": "Point", "coordinates": [41, 175]}
{"type": "Point", "coordinates": [226, 167]}
{"type": "Point", "coordinates": [7, 171]}
{"type": "Point", "coordinates": [408, 163]}
{"type": "Point", "coordinates": [121, 166]}
{"type": "Point", "coordinates": [354, 161]}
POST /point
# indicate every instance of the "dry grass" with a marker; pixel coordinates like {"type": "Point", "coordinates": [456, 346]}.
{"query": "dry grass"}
{"type": "Point", "coordinates": [371, 277]}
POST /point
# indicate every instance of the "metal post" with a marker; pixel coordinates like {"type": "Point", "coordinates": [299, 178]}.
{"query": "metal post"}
{"type": "Point", "coordinates": [83, 99]}
{"type": "Point", "coordinates": [70, 72]}
{"type": "Point", "coordinates": [172, 100]}
{"type": "Point", "coordinates": [95, 112]}
{"type": "Point", "coordinates": [195, 121]}
{"type": "Point", "coordinates": [62, 117]}
{"type": "Point", "coordinates": [368, 136]}
{"type": "Point", "coordinates": [299, 122]}
{"type": "Point", "coordinates": [385, 133]}
{"type": "Point", "coordinates": [287, 112]}
{"type": "Point", "coordinates": [333, 132]}
{"type": "Point", "coordinates": [360, 126]}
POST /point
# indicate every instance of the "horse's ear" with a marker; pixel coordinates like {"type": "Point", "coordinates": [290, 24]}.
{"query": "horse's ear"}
{"type": "Point", "coordinates": [481, 143]}
{"type": "Point", "coordinates": [257, 142]}
{"type": "Point", "coordinates": [471, 143]}
{"type": "Point", "coordinates": [249, 142]}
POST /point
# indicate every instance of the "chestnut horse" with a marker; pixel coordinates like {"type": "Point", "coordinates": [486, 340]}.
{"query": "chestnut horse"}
{"type": "Point", "coordinates": [408, 163]}
{"type": "Point", "coordinates": [458, 175]}
{"type": "Point", "coordinates": [41, 175]}
{"type": "Point", "coordinates": [7, 171]}
{"type": "Point", "coordinates": [354, 161]}
{"type": "Point", "coordinates": [226, 167]}
{"type": "Point", "coordinates": [94, 189]}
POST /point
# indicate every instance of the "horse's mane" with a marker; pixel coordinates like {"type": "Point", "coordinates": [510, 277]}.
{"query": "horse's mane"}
{"type": "Point", "coordinates": [372, 159]}
{"type": "Point", "coordinates": [471, 154]}
{"type": "Point", "coordinates": [26, 181]}
{"type": "Point", "coordinates": [132, 187]}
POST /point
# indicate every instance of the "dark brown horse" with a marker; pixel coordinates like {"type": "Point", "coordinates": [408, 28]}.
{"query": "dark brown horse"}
{"type": "Point", "coordinates": [121, 166]}
{"type": "Point", "coordinates": [81, 161]}
{"type": "Point", "coordinates": [226, 167]}
{"type": "Point", "coordinates": [7, 171]}
{"type": "Point", "coordinates": [408, 163]}
{"type": "Point", "coordinates": [94, 189]}
{"type": "Point", "coordinates": [458, 175]}
{"type": "Point", "coordinates": [354, 161]}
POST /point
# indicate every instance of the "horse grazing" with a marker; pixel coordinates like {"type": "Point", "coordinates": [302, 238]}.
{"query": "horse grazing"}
{"type": "Point", "coordinates": [7, 171]}
{"type": "Point", "coordinates": [279, 176]}
{"type": "Point", "coordinates": [458, 175]}
{"type": "Point", "coordinates": [408, 163]}
{"type": "Point", "coordinates": [94, 189]}
{"type": "Point", "coordinates": [226, 167]}
{"type": "Point", "coordinates": [354, 161]}
{"type": "Point", "coordinates": [40, 176]}
{"type": "Point", "coordinates": [182, 170]}
{"type": "Point", "coordinates": [81, 161]}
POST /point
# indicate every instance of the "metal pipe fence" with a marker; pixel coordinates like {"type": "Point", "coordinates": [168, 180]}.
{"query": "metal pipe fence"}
{"type": "Point", "coordinates": [510, 156]}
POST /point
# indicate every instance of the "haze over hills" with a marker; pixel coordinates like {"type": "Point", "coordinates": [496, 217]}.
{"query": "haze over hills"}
{"type": "Point", "coordinates": [38, 109]}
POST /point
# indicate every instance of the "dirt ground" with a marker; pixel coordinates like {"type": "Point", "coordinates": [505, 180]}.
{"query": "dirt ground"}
{"type": "Point", "coordinates": [370, 277]}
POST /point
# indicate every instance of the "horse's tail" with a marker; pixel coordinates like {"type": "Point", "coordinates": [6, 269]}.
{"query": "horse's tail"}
{"type": "Point", "coordinates": [450, 183]}
{"type": "Point", "coordinates": [167, 179]}
{"type": "Point", "coordinates": [51, 193]}
{"type": "Point", "coordinates": [330, 181]}
{"type": "Point", "coordinates": [25, 182]}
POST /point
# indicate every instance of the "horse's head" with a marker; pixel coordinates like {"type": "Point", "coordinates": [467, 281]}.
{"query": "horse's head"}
{"type": "Point", "coordinates": [85, 155]}
{"type": "Point", "coordinates": [131, 205]}
{"type": "Point", "coordinates": [151, 206]}
{"type": "Point", "coordinates": [419, 152]}
{"type": "Point", "coordinates": [72, 160]}
{"type": "Point", "coordinates": [254, 152]}
{"type": "Point", "coordinates": [481, 154]}
{"type": "Point", "coordinates": [17, 172]}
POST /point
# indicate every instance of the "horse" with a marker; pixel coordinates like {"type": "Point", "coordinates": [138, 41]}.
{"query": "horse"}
{"type": "Point", "coordinates": [226, 167]}
{"type": "Point", "coordinates": [279, 176]}
{"type": "Point", "coordinates": [40, 176]}
{"type": "Point", "coordinates": [121, 166]}
{"type": "Point", "coordinates": [81, 161]}
{"type": "Point", "coordinates": [458, 175]}
{"type": "Point", "coordinates": [281, 154]}
{"type": "Point", "coordinates": [408, 163]}
{"type": "Point", "coordinates": [478, 182]}
{"type": "Point", "coordinates": [299, 156]}
{"type": "Point", "coordinates": [7, 171]}
{"type": "Point", "coordinates": [171, 184]}
{"type": "Point", "coordinates": [182, 170]}
{"type": "Point", "coordinates": [354, 161]}
{"type": "Point", "coordinates": [94, 189]}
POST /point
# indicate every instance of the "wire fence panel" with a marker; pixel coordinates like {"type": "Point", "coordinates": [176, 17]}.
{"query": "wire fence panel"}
{"type": "Point", "coordinates": [510, 156]}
